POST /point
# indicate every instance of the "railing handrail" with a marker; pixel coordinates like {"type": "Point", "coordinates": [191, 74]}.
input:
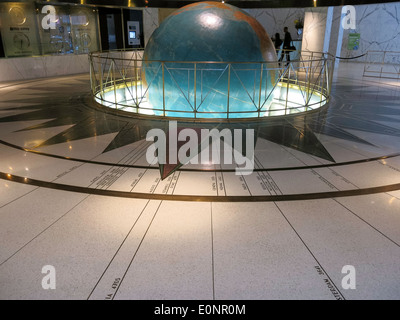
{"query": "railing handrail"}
{"type": "Point", "coordinates": [310, 77]}
{"type": "Point", "coordinates": [382, 63]}
{"type": "Point", "coordinates": [383, 51]}
{"type": "Point", "coordinates": [98, 53]}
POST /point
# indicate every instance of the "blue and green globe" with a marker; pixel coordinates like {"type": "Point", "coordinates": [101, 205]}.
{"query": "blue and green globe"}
{"type": "Point", "coordinates": [209, 60]}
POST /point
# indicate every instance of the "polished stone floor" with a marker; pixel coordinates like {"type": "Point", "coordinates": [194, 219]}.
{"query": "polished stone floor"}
{"type": "Point", "coordinates": [77, 193]}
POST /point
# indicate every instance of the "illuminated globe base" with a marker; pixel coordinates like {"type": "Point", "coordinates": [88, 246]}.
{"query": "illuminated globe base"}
{"type": "Point", "coordinates": [284, 101]}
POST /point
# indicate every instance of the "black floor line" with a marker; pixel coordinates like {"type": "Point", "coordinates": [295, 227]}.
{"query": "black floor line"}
{"type": "Point", "coordinates": [137, 249]}
{"type": "Point", "coordinates": [119, 248]}
{"type": "Point", "coordinates": [19, 197]}
{"type": "Point", "coordinates": [309, 250]}
{"type": "Point", "coordinates": [356, 215]}
{"type": "Point", "coordinates": [49, 226]}
{"type": "Point", "coordinates": [212, 252]}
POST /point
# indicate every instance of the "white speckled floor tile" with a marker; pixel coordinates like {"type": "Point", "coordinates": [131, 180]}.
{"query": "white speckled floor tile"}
{"type": "Point", "coordinates": [381, 211]}
{"type": "Point", "coordinates": [369, 174]}
{"type": "Point", "coordinates": [235, 184]}
{"type": "Point", "coordinates": [79, 148]}
{"type": "Point", "coordinates": [11, 191]}
{"type": "Point", "coordinates": [87, 238]}
{"type": "Point", "coordinates": [128, 180]}
{"type": "Point", "coordinates": [258, 256]}
{"type": "Point", "coordinates": [300, 181]}
{"type": "Point", "coordinates": [110, 280]}
{"type": "Point", "coordinates": [175, 258]}
{"type": "Point", "coordinates": [338, 238]}
{"type": "Point", "coordinates": [22, 221]}
{"type": "Point", "coordinates": [87, 175]}
{"type": "Point", "coordinates": [195, 183]}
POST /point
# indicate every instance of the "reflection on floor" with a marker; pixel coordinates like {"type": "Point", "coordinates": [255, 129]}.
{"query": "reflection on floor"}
{"type": "Point", "coordinates": [77, 193]}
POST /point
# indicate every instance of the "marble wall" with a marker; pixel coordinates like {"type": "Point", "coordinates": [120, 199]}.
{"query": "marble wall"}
{"type": "Point", "coordinates": [273, 20]}
{"type": "Point", "coordinates": [336, 33]}
{"type": "Point", "coordinates": [321, 29]}
{"type": "Point", "coordinates": [378, 25]}
{"type": "Point", "coordinates": [379, 28]}
{"type": "Point", "coordinates": [314, 29]}
{"type": "Point", "coordinates": [39, 67]}
{"type": "Point", "coordinates": [150, 22]}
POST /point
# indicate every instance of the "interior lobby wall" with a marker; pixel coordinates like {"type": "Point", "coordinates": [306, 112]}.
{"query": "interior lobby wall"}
{"type": "Point", "coordinates": [150, 22]}
{"type": "Point", "coordinates": [34, 53]}
{"type": "Point", "coordinates": [13, 69]}
{"type": "Point", "coordinates": [378, 26]}
{"type": "Point", "coordinates": [315, 23]}
{"type": "Point", "coordinates": [274, 20]}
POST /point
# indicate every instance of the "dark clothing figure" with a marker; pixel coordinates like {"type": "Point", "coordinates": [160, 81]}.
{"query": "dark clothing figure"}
{"type": "Point", "coordinates": [277, 42]}
{"type": "Point", "coordinates": [288, 39]}
{"type": "Point", "coordinates": [286, 46]}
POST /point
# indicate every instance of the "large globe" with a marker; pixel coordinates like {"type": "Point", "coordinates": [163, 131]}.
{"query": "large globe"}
{"type": "Point", "coordinates": [209, 60]}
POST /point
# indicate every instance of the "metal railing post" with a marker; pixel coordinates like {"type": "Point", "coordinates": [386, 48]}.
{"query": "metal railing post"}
{"type": "Point", "coordinates": [330, 78]}
{"type": "Point", "coordinates": [383, 62]}
{"type": "Point", "coordinates": [113, 81]}
{"type": "Point", "coordinates": [101, 79]}
{"type": "Point", "coordinates": [259, 92]}
{"type": "Point", "coordinates": [195, 107]}
{"type": "Point", "coordinates": [163, 88]}
{"type": "Point", "coordinates": [365, 63]}
{"type": "Point", "coordinates": [323, 84]}
{"type": "Point", "coordinates": [309, 81]}
{"type": "Point", "coordinates": [229, 87]}
{"type": "Point", "coordinates": [91, 76]}
{"type": "Point", "coordinates": [287, 89]}
{"type": "Point", "coordinates": [136, 84]}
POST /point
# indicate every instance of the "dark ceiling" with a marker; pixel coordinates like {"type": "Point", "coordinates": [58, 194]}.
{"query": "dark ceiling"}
{"type": "Point", "coordinates": [241, 3]}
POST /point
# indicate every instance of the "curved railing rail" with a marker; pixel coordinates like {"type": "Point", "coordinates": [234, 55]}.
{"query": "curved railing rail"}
{"type": "Point", "coordinates": [122, 80]}
{"type": "Point", "coordinates": [382, 64]}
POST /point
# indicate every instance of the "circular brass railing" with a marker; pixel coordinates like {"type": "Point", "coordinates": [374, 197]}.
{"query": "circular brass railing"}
{"type": "Point", "coordinates": [240, 89]}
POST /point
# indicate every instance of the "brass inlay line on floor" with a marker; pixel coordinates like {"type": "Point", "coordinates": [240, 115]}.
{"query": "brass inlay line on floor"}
{"type": "Point", "coordinates": [152, 196]}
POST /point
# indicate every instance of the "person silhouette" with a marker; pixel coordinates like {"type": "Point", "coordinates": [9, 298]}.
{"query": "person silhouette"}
{"type": "Point", "coordinates": [277, 42]}
{"type": "Point", "coordinates": [286, 45]}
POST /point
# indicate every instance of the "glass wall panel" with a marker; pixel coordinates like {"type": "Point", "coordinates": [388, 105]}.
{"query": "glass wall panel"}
{"type": "Point", "coordinates": [19, 29]}
{"type": "Point", "coordinates": [39, 28]}
{"type": "Point", "coordinates": [56, 39]}
{"type": "Point", "coordinates": [84, 29]}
